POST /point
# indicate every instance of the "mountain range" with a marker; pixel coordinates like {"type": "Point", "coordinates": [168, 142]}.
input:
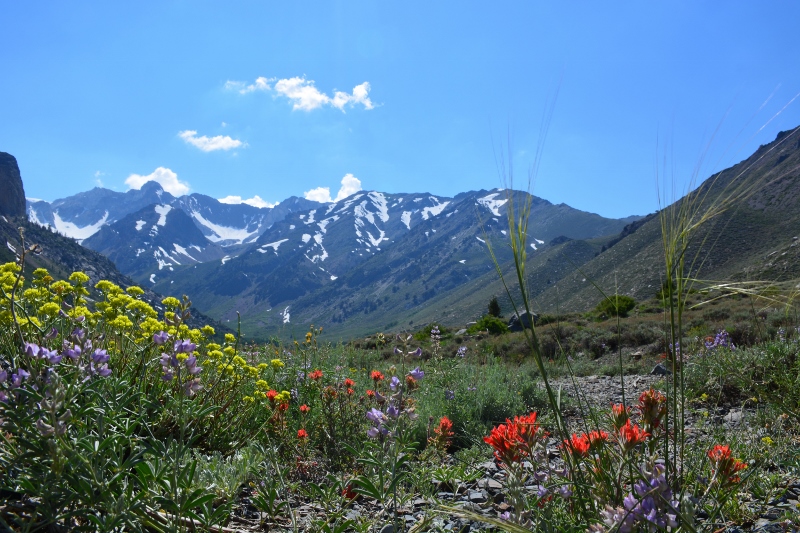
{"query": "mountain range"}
{"type": "Point", "coordinates": [385, 262]}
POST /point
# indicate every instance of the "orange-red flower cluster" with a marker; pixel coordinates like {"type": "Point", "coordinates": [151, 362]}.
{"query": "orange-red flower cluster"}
{"type": "Point", "coordinates": [653, 406]}
{"type": "Point", "coordinates": [271, 394]}
{"type": "Point", "coordinates": [725, 466]}
{"type": "Point", "coordinates": [302, 434]}
{"type": "Point", "coordinates": [619, 415]}
{"type": "Point", "coordinates": [443, 434]}
{"type": "Point", "coordinates": [583, 444]}
{"type": "Point", "coordinates": [631, 435]}
{"type": "Point", "coordinates": [376, 376]}
{"type": "Point", "coordinates": [515, 439]}
{"type": "Point", "coordinates": [349, 383]}
{"type": "Point", "coordinates": [315, 375]}
{"type": "Point", "coordinates": [370, 393]}
{"type": "Point", "coordinates": [304, 409]}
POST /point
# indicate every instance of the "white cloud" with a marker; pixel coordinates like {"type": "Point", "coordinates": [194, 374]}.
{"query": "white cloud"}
{"type": "Point", "coordinates": [304, 95]}
{"type": "Point", "coordinates": [210, 144]}
{"type": "Point", "coordinates": [320, 194]}
{"type": "Point", "coordinates": [350, 185]}
{"type": "Point", "coordinates": [165, 177]}
{"type": "Point", "coordinates": [255, 201]}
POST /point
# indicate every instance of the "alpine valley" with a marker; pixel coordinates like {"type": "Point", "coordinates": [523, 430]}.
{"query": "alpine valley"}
{"type": "Point", "coordinates": [389, 262]}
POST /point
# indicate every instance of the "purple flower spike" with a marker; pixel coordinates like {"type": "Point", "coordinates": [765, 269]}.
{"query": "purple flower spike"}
{"type": "Point", "coordinates": [397, 351]}
{"type": "Point", "coordinates": [73, 353]}
{"type": "Point", "coordinates": [3, 397]}
{"type": "Point", "coordinates": [394, 383]}
{"type": "Point", "coordinates": [168, 376]}
{"type": "Point", "coordinates": [3, 376]}
{"type": "Point", "coordinates": [392, 411]}
{"type": "Point", "coordinates": [192, 386]}
{"type": "Point", "coordinates": [77, 334]}
{"type": "Point", "coordinates": [185, 346]}
{"type": "Point", "coordinates": [46, 430]}
{"type": "Point", "coordinates": [160, 337]}
{"type": "Point", "coordinates": [32, 350]}
{"type": "Point", "coordinates": [379, 397]}
{"type": "Point", "coordinates": [417, 353]}
{"type": "Point", "coordinates": [100, 356]}
{"type": "Point", "coordinates": [417, 374]}
{"type": "Point", "coordinates": [449, 395]}
{"type": "Point", "coordinates": [53, 357]}
{"type": "Point", "coordinates": [373, 432]}
{"type": "Point", "coordinates": [461, 351]}
{"type": "Point", "coordinates": [191, 365]}
{"type": "Point", "coordinates": [375, 415]}
{"type": "Point", "coordinates": [51, 334]}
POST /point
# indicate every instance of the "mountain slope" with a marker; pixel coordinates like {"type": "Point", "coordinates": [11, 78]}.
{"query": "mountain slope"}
{"type": "Point", "coordinates": [754, 239]}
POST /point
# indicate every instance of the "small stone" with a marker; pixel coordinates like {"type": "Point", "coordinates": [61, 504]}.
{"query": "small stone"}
{"type": "Point", "coordinates": [462, 331]}
{"type": "Point", "coordinates": [734, 416]}
{"type": "Point", "coordinates": [477, 496]}
{"type": "Point", "coordinates": [388, 528]}
{"type": "Point", "coordinates": [660, 370]}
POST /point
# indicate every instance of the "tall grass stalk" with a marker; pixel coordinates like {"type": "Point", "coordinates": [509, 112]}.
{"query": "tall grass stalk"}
{"type": "Point", "coordinates": [685, 249]}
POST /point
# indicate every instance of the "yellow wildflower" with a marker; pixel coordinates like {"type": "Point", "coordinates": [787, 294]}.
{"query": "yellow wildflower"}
{"type": "Point", "coordinates": [276, 363]}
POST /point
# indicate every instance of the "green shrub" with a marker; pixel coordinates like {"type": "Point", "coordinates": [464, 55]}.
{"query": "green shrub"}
{"type": "Point", "coordinates": [616, 305]}
{"type": "Point", "coordinates": [489, 323]}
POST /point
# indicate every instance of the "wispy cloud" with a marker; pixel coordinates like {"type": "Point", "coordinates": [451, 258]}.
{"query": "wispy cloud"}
{"type": "Point", "coordinates": [304, 95]}
{"type": "Point", "coordinates": [165, 177]}
{"type": "Point", "coordinates": [210, 144]}
{"type": "Point", "coordinates": [255, 201]}
{"type": "Point", "coordinates": [350, 185]}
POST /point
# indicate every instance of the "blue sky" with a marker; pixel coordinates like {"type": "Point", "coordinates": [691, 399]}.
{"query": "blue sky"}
{"type": "Point", "coordinates": [428, 93]}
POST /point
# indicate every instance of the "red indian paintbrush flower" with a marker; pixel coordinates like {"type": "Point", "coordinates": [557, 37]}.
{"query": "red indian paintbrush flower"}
{"type": "Point", "coordinates": [349, 383]}
{"type": "Point", "coordinates": [630, 435]}
{"type": "Point", "coordinates": [725, 466]}
{"type": "Point", "coordinates": [370, 393]}
{"type": "Point", "coordinates": [653, 406]}
{"type": "Point", "coordinates": [597, 439]}
{"type": "Point", "coordinates": [376, 376]}
{"type": "Point", "coordinates": [619, 415]}
{"type": "Point", "coordinates": [578, 446]}
{"type": "Point", "coordinates": [304, 409]}
{"type": "Point", "coordinates": [515, 439]}
{"type": "Point", "coordinates": [315, 375]}
{"type": "Point", "coordinates": [302, 434]}
{"type": "Point", "coordinates": [272, 394]}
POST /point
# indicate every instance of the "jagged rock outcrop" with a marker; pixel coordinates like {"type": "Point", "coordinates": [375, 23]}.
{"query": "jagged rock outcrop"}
{"type": "Point", "coordinates": [12, 194]}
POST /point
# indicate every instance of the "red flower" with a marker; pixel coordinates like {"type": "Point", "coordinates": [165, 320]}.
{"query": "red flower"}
{"type": "Point", "coordinates": [578, 446]}
{"type": "Point", "coordinates": [370, 393]}
{"type": "Point", "coordinates": [350, 392]}
{"type": "Point", "coordinates": [349, 493]}
{"type": "Point", "coordinates": [302, 434]}
{"type": "Point", "coordinates": [411, 382]}
{"type": "Point", "coordinates": [619, 415]}
{"type": "Point", "coordinates": [271, 395]}
{"type": "Point", "coordinates": [349, 383]}
{"type": "Point", "coordinates": [725, 466]}
{"type": "Point", "coordinates": [631, 435]}
{"type": "Point", "coordinates": [444, 434]}
{"type": "Point", "coordinates": [376, 376]}
{"type": "Point", "coordinates": [304, 409]}
{"type": "Point", "coordinates": [597, 439]}
{"type": "Point", "coordinates": [315, 375]}
{"type": "Point", "coordinates": [445, 427]}
{"type": "Point", "coordinates": [653, 406]}
{"type": "Point", "coordinates": [283, 406]}
{"type": "Point", "coordinates": [515, 439]}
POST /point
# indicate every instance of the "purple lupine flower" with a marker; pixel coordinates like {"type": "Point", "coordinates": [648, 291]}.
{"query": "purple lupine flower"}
{"type": "Point", "coordinates": [542, 491]}
{"type": "Point", "coordinates": [392, 411]}
{"type": "Point", "coordinates": [51, 334]}
{"type": "Point", "coordinates": [16, 379]}
{"type": "Point", "coordinates": [564, 492]}
{"type": "Point", "coordinates": [373, 432]}
{"type": "Point", "coordinates": [416, 353]}
{"type": "Point", "coordinates": [32, 350]}
{"type": "Point", "coordinates": [505, 515]}
{"type": "Point", "coordinates": [376, 415]}
{"type": "Point", "coordinates": [191, 365]}
{"type": "Point", "coordinates": [185, 346]}
{"type": "Point", "coordinates": [160, 338]}
{"type": "Point", "coordinates": [417, 374]}
{"type": "Point", "coordinates": [462, 351]}
{"type": "Point", "coordinates": [3, 376]}
{"type": "Point", "coordinates": [449, 395]}
{"type": "Point", "coordinates": [397, 351]}
{"type": "Point", "coordinates": [52, 356]}
{"type": "Point", "coordinates": [394, 383]}
{"type": "Point", "coordinates": [73, 353]}
{"type": "Point", "coordinates": [77, 334]}
{"type": "Point", "coordinates": [379, 398]}
{"type": "Point", "coordinates": [100, 356]}
{"type": "Point", "coordinates": [46, 430]}
{"type": "Point", "coordinates": [3, 397]}
{"type": "Point", "coordinates": [191, 386]}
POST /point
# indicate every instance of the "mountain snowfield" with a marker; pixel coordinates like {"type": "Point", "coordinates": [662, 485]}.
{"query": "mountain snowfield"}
{"type": "Point", "coordinates": [302, 260]}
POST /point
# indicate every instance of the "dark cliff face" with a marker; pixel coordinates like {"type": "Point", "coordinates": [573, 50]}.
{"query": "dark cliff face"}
{"type": "Point", "coordinates": [12, 194]}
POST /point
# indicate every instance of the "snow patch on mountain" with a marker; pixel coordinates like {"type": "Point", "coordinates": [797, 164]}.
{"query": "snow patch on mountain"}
{"type": "Point", "coordinates": [435, 209]}
{"type": "Point", "coordinates": [162, 211]}
{"type": "Point", "coordinates": [140, 224]}
{"type": "Point", "coordinates": [273, 245]}
{"type": "Point", "coordinates": [286, 315]}
{"type": "Point", "coordinates": [491, 204]}
{"type": "Point", "coordinates": [406, 218]}
{"type": "Point", "coordinates": [223, 233]}
{"type": "Point", "coordinates": [379, 201]}
{"type": "Point", "coordinates": [226, 259]}
{"type": "Point", "coordinates": [306, 238]}
{"type": "Point", "coordinates": [77, 232]}
{"type": "Point", "coordinates": [33, 218]}
{"type": "Point", "coordinates": [181, 250]}
{"type": "Point", "coordinates": [152, 278]}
